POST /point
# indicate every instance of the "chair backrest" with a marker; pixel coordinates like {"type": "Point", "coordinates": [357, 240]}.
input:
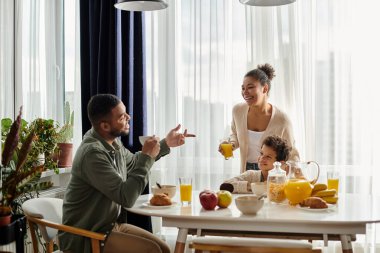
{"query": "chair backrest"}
{"type": "Point", "coordinates": [45, 208]}
{"type": "Point", "coordinates": [263, 245]}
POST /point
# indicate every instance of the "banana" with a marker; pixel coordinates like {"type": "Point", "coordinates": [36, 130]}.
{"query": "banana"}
{"type": "Point", "coordinates": [325, 193]}
{"type": "Point", "coordinates": [319, 187]}
{"type": "Point", "coordinates": [331, 199]}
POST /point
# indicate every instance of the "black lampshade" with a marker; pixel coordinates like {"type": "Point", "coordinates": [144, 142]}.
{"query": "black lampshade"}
{"type": "Point", "coordinates": [135, 5]}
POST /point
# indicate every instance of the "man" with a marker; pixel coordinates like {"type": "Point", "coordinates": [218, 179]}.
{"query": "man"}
{"type": "Point", "coordinates": [106, 177]}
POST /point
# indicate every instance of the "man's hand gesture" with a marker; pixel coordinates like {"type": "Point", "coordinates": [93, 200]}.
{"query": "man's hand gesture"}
{"type": "Point", "coordinates": [174, 139]}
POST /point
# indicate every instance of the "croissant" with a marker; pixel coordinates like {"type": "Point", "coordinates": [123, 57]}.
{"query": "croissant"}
{"type": "Point", "coordinates": [160, 199]}
{"type": "Point", "coordinates": [314, 203]}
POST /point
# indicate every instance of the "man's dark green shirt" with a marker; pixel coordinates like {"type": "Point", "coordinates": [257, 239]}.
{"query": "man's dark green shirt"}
{"type": "Point", "coordinates": [104, 178]}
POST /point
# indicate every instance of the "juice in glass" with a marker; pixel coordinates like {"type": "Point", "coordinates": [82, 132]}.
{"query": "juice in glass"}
{"type": "Point", "coordinates": [185, 190]}
{"type": "Point", "coordinates": [333, 179]}
{"type": "Point", "coordinates": [227, 150]}
{"type": "Point", "coordinates": [333, 183]}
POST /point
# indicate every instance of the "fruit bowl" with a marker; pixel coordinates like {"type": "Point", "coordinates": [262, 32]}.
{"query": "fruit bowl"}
{"type": "Point", "coordinates": [249, 204]}
{"type": "Point", "coordinates": [166, 189]}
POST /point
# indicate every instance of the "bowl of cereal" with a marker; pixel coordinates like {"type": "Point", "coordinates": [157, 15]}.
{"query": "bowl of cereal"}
{"type": "Point", "coordinates": [259, 188]}
{"type": "Point", "coordinates": [165, 188]}
{"type": "Point", "coordinates": [249, 204]}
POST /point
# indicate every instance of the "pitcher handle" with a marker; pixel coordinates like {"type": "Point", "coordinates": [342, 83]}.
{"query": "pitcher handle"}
{"type": "Point", "coordinates": [316, 179]}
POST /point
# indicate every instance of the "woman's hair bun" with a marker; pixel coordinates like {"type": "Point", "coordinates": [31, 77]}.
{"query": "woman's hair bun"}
{"type": "Point", "coordinates": [268, 69]}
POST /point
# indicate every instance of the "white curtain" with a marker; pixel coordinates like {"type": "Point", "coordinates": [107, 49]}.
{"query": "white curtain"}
{"type": "Point", "coordinates": [40, 59]}
{"type": "Point", "coordinates": [325, 61]}
{"type": "Point", "coordinates": [72, 66]}
{"type": "Point", "coordinates": [199, 52]}
{"type": "Point", "coordinates": [194, 73]}
{"type": "Point", "coordinates": [6, 58]}
{"type": "Point", "coordinates": [32, 59]}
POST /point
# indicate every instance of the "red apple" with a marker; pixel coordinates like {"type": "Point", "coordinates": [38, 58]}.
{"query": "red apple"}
{"type": "Point", "coordinates": [208, 199]}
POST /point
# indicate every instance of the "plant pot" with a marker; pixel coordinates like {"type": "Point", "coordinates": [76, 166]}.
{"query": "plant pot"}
{"type": "Point", "coordinates": [5, 215]}
{"type": "Point", "coordinates": [5, 220]}
{"type": "Point", "coordinates": [65, 157]}
{"type": "Point", "coordinates": [14, 232]}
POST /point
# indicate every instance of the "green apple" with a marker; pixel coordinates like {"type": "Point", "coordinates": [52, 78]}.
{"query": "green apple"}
{"type": "Point", "coordinates": [224, 198]}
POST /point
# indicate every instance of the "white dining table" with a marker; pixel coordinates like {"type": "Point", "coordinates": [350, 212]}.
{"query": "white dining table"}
{"type": "Point", "coordinates": [345, 220]}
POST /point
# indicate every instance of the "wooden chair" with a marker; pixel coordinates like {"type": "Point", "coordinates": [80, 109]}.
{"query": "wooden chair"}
{"type": "Point", "coordinates": [217, 244]}
{"type": "Point", "coordinates": [46, 215]}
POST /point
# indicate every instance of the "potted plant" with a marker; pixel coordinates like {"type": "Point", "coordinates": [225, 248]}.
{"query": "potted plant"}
{"type": "Point", "coordinates": [21, 166]}
{"type": "Point", "coordinates": [14, 175]}
{"type": "Point", "coordinates": [65, 138]}
{"type": "Point", "coordinates": [45, 144]}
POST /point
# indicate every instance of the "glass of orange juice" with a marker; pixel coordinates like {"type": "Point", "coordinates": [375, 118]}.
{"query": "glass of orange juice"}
{"type": "Point", "coordinates": [333, 180]}
{"type": "Point", "coordinates": [226, 149]}
{"type": "Point", "coordinates": [185, 189]}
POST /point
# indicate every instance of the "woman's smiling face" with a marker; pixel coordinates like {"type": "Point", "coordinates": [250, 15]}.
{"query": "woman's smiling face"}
{"type": "Point", "coordinates": [252, 91]}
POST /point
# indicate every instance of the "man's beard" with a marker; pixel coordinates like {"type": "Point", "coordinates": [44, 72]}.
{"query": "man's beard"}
{"type": "Point", "coordinates": [119, 133]}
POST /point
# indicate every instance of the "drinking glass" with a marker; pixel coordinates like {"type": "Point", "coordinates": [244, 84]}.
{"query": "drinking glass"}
{"type": "Point", "coordinates": [185, 189]}
{"type": "Point", "coordinates": [333, 179]}
{"type": "Point", "coordinates": [226, 148]}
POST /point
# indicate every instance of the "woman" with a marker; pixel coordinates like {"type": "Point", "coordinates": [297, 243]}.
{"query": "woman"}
{"type": "Point", "coordinates": [257, 119]}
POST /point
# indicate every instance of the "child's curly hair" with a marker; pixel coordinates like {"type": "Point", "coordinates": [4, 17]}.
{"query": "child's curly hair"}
{"type": "Point", "coordinates": [279, 145]}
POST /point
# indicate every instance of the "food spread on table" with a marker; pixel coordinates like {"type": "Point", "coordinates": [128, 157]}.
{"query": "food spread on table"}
{"type": "Point", "coordinates": [314, 203]}
{"type": "Point", "coordinates": [160, 199]}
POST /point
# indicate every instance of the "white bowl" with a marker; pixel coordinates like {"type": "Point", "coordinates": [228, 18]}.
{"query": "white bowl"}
{"type": "Point", "coordinates": [249, 204]}
{"type": "Point", "coordinates": [142, 139]}
{"type": "Point", "coordinates": [166, 189]}
{"type": "Point", "coordinates": [259, 188]}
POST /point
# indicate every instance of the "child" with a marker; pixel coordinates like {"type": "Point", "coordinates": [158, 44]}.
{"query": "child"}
{"type": "Point", "coordinates": [273, 149]}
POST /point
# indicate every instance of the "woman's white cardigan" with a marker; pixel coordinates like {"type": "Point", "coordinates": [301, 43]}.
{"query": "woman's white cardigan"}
{"type": "Point", "coordinates": [279, 125]}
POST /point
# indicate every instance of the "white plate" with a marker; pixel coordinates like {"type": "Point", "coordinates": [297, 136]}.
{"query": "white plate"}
{"type": "Point", "coordinates": [147, 204]}
{"type": "Point", "coordinates": [329, 208]}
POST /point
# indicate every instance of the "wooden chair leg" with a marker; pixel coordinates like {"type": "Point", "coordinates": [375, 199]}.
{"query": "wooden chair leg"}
{"type": "Point", "coordinates": [95, 246]}
{"type": "Point", "coordinates": [32, 228]}
{"type": "Point", "coordinates": [50, 246]}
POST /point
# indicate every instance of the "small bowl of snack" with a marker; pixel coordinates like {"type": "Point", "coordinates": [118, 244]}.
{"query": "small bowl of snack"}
{"type": "Point", "coordinates": [167, 189]}
{"type": "Point", "coordinates": [259, 188]}
{"type": "Point", "coordinates": [249, 204]}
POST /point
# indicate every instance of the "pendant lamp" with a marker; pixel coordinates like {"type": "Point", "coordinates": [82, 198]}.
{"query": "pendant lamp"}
{"type": "Point", "coordinates": [266, 2]}
{"type": "Point", "coordinates": [135, 5]}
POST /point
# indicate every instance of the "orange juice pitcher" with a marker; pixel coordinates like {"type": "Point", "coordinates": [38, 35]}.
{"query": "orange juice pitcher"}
{"type": "Point", "coordinates": [301, 178]}
{"type": "Point", "coordinates": [296, 190]}
{"type": "Point", "coordinates": [303, 170]}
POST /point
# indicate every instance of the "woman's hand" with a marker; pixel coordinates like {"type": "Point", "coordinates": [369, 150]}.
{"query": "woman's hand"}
{"type": "Point", "coordinates": [220, 147]}
{"type": "Point", "coordinates": [225, 142]}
